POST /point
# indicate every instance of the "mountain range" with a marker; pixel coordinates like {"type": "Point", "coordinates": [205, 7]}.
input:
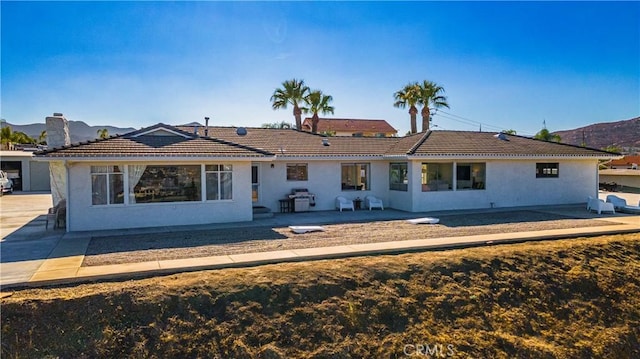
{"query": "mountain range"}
{"type": "Point", "coordinates": [622, 134]}
{"type": "Point", "coordinates": [79, 131]}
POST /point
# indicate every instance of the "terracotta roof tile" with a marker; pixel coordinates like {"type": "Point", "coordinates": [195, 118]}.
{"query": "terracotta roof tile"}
{"type": "Point", "coordinates": [351, 125]}
{"type": "Point", "coordinates": [626, 161]}
{"type": "Point", "coordinates": [293, 143]}
{"type": "Point", "coordinates": [486, 143]}
{"type": "Point", "coordinates": [260, 142]}
{"type": "Point", "coordinates": [139, 144]}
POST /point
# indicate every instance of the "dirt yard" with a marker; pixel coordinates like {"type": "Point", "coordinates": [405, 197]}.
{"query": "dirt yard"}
{"type": "Point", "coordinates": [162, 246]}
{"type": "Point", "coordinates": [573, 298]}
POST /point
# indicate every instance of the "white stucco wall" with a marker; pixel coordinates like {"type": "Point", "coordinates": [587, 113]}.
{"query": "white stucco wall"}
{"type": "Point", "coordinates": [324, 180]}
{"type": "Point", "coordinates": [512, 183]}
{"type": "Point", "coordinates": [82, 215]}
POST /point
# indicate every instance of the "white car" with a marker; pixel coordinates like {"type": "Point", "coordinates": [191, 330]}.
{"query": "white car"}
{"type": "Point", "coordinates": [6, 184]}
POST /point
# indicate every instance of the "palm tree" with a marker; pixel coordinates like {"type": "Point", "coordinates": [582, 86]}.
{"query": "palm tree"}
{"type": "Point", "coordinates": [293, 92]}
{"type": "Point", "coordinates": [545, 135]}
{"type": "Point", "coordinates": [409, 96]}
{"type": "Point", "coordinates": [278, 125]}
{"type": "Point", "coordinates": [42, 139]}
{"type": "Point", "coordinates": [430, 95]}
{"type": "Point", "coordinates": [103, 133]}
{"type": "Point", "coordinates": [318, 102]}
{"type": "Point", "coordinates": [8, 136]}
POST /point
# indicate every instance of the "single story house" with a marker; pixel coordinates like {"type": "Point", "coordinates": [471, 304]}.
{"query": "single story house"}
{"type": "Point", "coordinates": [165, 175]}
{"type": "Point", "coordinates": [351, 127]}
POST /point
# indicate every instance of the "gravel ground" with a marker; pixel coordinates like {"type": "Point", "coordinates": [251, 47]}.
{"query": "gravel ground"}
{"type": "Point", "coordinates": [162, 246]}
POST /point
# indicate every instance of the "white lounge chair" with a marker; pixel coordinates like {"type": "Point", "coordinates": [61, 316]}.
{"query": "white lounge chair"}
{"type": "Point", "coordinates": [373, 202]}
{"type": "Point", "coordinates": [598, 205]}
{"type": "Point", "coordinates": [343, 203]}
{"type": "Point", "coordinates": [620, 204]}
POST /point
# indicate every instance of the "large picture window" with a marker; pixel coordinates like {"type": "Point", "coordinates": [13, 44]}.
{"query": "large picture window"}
{"type": "Point", "coordinates": [107, 186]}
{"type": "Point", "coordinates": [164, 183]}
{"type": "Point", "coordinates": [470, 175]}
{"type": "Point", "coordinates": [547, 170]}
{"type": "Point", "coordinates": [398, 180]}
{"type": "Point", "coordinates": [437, 177]}
{"type": "Point", "coordinates": [355, 177]}
{"type": "Point", "coordinates": [219, 182]}
{"type": "Point", "coordinates": [297, 172]}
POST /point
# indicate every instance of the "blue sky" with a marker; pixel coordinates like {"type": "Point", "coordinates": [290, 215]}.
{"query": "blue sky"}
{"type": "Point", "coordinates": [508, 65]}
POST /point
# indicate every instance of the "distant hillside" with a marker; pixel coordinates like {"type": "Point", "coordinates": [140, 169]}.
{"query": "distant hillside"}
{"type": "Point", "coordinates": [78, 130]}
{"type": "Point", "coordinates": [623, 134]}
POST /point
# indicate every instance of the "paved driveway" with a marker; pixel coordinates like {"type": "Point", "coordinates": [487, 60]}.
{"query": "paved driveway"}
{"type": "Point", "coordinates": [25, 243]}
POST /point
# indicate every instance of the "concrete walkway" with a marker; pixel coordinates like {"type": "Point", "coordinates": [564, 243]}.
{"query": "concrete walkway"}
{"type": "Point", "coordinates": [63, 262]}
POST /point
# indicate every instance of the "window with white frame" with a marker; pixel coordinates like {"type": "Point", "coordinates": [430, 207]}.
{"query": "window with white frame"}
{"type": "Point", "coordinates": [398, 180]}
{"type": "Point", "coordinates": [297, 172]}
{"type": "Point", "coordinates": [219, 182]}
{"type": "Point", "coordinates": [355, 177]}
{"type": "Point", "coordinates": [107, 185]}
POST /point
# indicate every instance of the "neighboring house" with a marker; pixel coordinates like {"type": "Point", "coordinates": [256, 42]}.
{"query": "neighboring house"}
{"type": "Point", "coordinates": [622, 172]}
{"type": "Point", "coordinates": [26, 173]}
{"type": "Point", "coordinates": [351, 127]}
{"type": "Point", "coordinates": [626, 162]}
{"type": "Point", "coordinates": [166, 176]}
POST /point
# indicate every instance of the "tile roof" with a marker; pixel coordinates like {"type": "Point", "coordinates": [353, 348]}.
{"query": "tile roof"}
{"type": "Point", "coordinates": [458, 143]}
{"type": "Point", "coordinates": [294, 143]}
{"type": "Point", "coordinates": [625, 161]}
{"type": "Point", "coordinates": [143, 144]}
{"type": "Point", "coordinates": [351, 125]}
{"type": "Point", "coordinates": [266, 142]}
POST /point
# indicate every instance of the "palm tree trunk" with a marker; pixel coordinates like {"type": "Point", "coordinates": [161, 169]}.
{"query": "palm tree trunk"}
{"type": "Point", "coordinates": [426, 117]}
{"type": "Point", "coordinates": [314, 123]}
{"type": "Point", "coordinates": [413, 111]}
{"type": "Point", "coordinates": [298, 115]}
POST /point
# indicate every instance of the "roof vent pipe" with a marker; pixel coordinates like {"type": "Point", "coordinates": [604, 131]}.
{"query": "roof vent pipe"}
{"type": "Point", "coordinates": [206, 127]}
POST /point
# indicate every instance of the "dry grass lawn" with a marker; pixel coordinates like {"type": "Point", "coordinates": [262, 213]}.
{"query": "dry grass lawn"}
{"type": "Point", "coordinates": [553, 299]}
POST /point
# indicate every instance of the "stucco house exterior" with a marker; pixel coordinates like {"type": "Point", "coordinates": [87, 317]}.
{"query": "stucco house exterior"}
{"type": "Point", "coordinates": [165, 175]}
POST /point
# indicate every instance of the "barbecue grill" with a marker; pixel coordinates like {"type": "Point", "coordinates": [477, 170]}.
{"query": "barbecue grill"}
{"type": "Point", "coordinates": [302, 199]}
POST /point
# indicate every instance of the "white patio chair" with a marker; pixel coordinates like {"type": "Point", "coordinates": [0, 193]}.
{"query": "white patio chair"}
{"type": "Point", "coordinates": [343, 203]}
{"type": "Point", "coordinates": [620, 205]}
{"type": "Point", "coordinates": [616, 201]}
{"type": "Point", "coordinates": [598, 205]}
{"type": "Point", "coordinates": [373, 202]}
